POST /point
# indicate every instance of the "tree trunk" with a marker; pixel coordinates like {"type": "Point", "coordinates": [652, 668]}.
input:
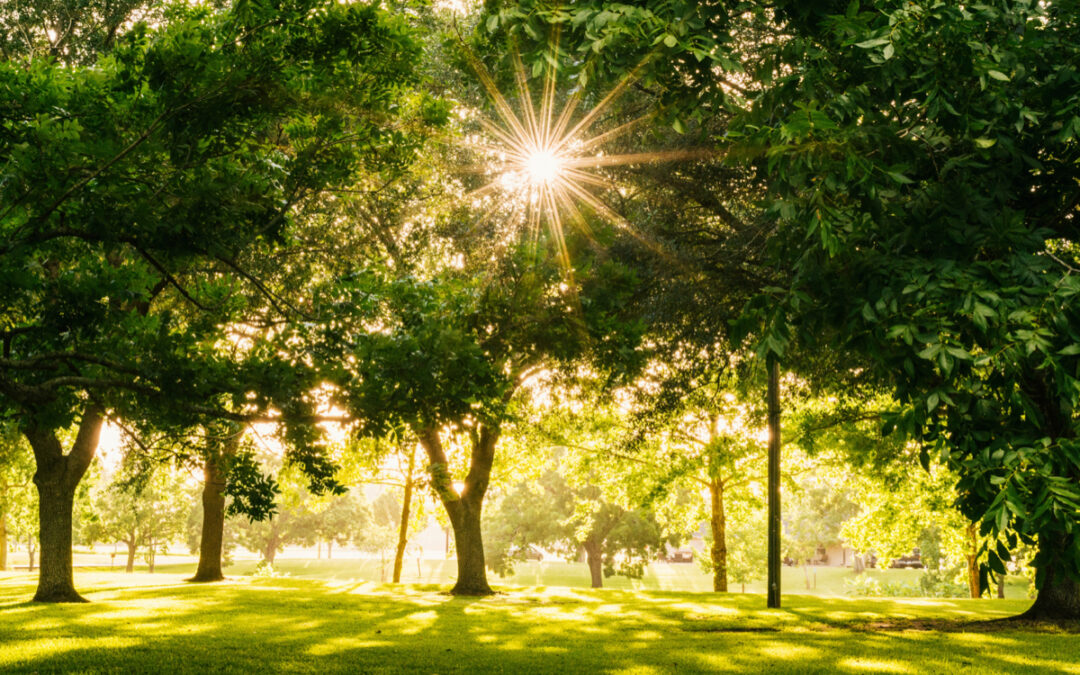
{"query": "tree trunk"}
{"type": "Point", "coordinates": [271, 551]}
{"type": "Point", "coordinates": [595, 559]}
{"type": "Point", "coordinates": [56, 581]}
{"type": "Point", "coordinates": [472, 572]}
{"type": "Point", "coordinates": [1001, 586]}
{"type": "Point", "coordinates": [151, 556]}
{"type": "Point", "coordinates": [973, 562]}
{"type": "Point", "coordinates": [719, 534]}
{"type": "Point", "coordinates": [1059, 596]}
{"type": "Point", "coordinates": [403, 527]}
{"type": "Point", "coordinates": [212, 537]}
{"type": "Point", "coordinates": [318, 551]}
{"type": "Point", "coordinates": [30, 553]}
{"type": "Point", "coordinates": [130, 557]}
{"type": "Point", "coordinates": [56, 477]}
{"type": "Point", "coordinates": [3, 541]}
{"type": "Point", "coordinates": [773, 396]}
{"type": "Point", "coordinates": [464, 509]}
{"type": "Point", "coordinates": [329, 549]}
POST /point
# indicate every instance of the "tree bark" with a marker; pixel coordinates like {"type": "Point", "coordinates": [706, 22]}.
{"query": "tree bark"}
{"type": "Point", "coordinates": [973, 562]}
{"type": "Point", "coordinates": [595, 559]}
{"type": "Point", "coordinates": [56, 477]}
{"type": "Point", "coordinates": [403, 527]}
{"type": "Point", "coordinates": [30, 554]}
{"type": "Point", "coordinates": [718, 523]}
{"type": "Point", "coordinates": [773, 395]}
{"type": "Point", "coordinates": [464, 509]}
{"type": "Point", "coordinates": [329, 549]}
{"type": "Point", "coordinates": [130, 557]}
{"type": "Point", "coordinates": [3, 541]}
{"type": "Point", "coordinates": [212, 537]}
{"type": "Point", "coordinates": [271, 550]}
{"type": "Point", "coordinates": [1001, 586]}
{"type": "Point", "coordinates": [1058, 598]}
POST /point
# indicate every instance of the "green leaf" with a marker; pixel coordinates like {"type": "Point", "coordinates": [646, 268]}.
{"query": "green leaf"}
{"type": "Point", "coordinates": [670, 40]}
{"type": "Point", "coordinates": [985, 142]}
{"type": "Point", "coordinates": [870, 44]}
{"type": "Point", "coordinates": [998, 75]}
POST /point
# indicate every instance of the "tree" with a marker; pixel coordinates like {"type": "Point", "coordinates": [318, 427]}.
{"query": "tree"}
{"type": "Point", "coordinates": [901, 511]}
{"type": "Point", "coordinates": [919, 164]}
{"type": "Point", "coordinates": [340, 519]}
{"type": "Point", "coordinates": [933, 252]}
{"type": "Point", "coordinates": [145, 511]}
{"type": "Point", "coordinates": [569, 520]}
{"type": "Point", "coordinates": [203, 135]}
{"type": "Point", "coordinates": [454, 351]}
{"type": "Point", "coordinates": [383, 534]}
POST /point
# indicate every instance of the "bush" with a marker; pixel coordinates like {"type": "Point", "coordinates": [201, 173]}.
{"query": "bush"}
{"type": "Point", "coordinates": [265, 570]}
{"type": "Point", "coordinates": [943, 584]}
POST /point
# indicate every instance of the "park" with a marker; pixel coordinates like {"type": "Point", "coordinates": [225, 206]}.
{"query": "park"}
{"type": "Point", "coordinates": [539, 336]}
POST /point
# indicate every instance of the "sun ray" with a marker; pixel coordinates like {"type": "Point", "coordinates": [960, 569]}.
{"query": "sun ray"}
{"type": "Point", "coordinates": [544, 160]}
{"type": "Point", "coordinates": [636, 158]}
{"type": "Point", "coordinates": [611, 96]}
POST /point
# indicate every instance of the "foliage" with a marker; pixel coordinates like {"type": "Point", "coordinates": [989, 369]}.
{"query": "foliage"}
{"type": "Point", "coordinates": [146, 511]}
{"type": "Point", "coordinates": [553, 514]}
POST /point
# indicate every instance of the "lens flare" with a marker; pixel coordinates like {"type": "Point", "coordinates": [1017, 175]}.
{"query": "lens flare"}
{"type": "Point", "coordinates": [543, 167]}
{"type": "Point", "coordinates": [546, 159]}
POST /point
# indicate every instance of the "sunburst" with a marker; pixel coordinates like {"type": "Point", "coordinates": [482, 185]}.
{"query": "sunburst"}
{"type": "Point", "coordinates": [546, 159]}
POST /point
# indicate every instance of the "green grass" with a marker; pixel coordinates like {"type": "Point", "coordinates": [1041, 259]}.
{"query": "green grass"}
{"type": "Point", "coordinates": [141, 623]}
{"type": "Point", "coordinates": [824, 581]}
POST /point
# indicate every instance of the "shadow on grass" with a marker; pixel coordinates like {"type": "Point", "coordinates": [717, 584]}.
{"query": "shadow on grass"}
{"type": "Point", "coordinates": [280, 625]}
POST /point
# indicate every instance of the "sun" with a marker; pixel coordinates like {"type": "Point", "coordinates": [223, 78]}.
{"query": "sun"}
{"type": "Point", "coordinates": [547, 159]}
{"type": "Point", "coordinates": [543, 167]}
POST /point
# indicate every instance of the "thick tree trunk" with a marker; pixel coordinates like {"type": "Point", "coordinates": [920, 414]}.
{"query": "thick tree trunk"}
{"type": "Point", "coordinates": [472, 572]}
{"type": "Point", "coordinates": [595, 559]}
{"type": "Point", "coordinates": [130, 557]}
{"type": "Point", "coordinates": [212, 538]}
{"type": "Point", "coordinates": [718, 523]}
{"type": "Point", "coordinates": [56, 580]}
{"type": "Point", "coordinates": [403, 527]}
{"type": "Point", "coordinates": [56, 477]}
{"type": "Point", "coordinates": [1058, 599]}
{"type": "Point", "coordinates": [1059, 596]}
{"type": "Point", "coordinates": [271, 551]}
{"type": "Point", "coordinates": [464, 509]}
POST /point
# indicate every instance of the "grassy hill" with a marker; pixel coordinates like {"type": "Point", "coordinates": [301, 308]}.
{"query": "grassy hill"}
{"type": "Point", "coordinates": [143, 623]}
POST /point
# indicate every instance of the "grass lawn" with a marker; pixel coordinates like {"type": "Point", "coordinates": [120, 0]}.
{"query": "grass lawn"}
{"type": "Point", "coordinates": [142, 622]}
{"type": "Point", "coordinates": [824, 581]}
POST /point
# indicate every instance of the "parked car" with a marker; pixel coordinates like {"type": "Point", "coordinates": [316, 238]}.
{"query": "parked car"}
{"type": "Point", "coordinates": [911, 561]}
{"type": "Point", "coordinates": [680, 555]}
